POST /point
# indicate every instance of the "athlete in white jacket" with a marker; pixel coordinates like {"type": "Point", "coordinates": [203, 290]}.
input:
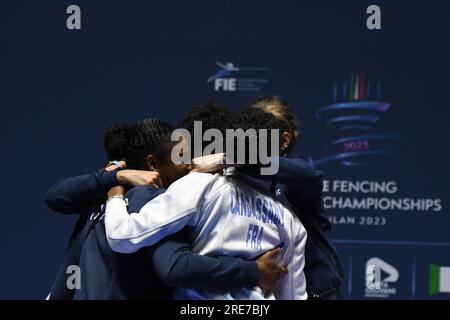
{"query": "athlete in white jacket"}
{"type": "Point", "coordinates": [225, 215]}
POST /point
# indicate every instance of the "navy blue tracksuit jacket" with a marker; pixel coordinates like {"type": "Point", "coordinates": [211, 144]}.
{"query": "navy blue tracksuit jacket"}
{"type": "Point", "coordinates": [109, 275]}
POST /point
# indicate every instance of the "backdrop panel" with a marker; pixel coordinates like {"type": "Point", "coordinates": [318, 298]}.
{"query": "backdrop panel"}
{"type": "Point", "coordinates": [373, 106]}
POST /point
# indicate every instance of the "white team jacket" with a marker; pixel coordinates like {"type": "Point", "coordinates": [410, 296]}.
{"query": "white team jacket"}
{"type": "Point", "coordinates": [227, 217]}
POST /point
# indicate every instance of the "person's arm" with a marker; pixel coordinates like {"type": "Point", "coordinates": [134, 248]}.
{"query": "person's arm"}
{"type": "Point", "coordinates": [164, 215]}
{"type": "Point", "coordinates": [76, 194]}
{"type": "Point", "coordinates": [296, 174]}
{"type": "Point", "coordinates": [177, 266]}
{"type": "Point", "coordinates": [293, 285]}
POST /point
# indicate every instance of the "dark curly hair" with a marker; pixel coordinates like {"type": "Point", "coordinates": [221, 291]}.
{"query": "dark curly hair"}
{"type": "Point", "coordinates": [115, 141]}
{"type": "Point", "coordinates": [212, 115]}
{"type": "Point", "coordinates": [254, 118]}
{"type": "Point", "coordinates": [133, 143]}
{"type": "Point", "coordinates": [215, 116]}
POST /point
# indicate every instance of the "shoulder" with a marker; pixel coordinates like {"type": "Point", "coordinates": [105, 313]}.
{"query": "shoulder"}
{"type": "Point", "coordinates": [138, 196]}
{"type": "Point", "coordinates": [193, 180]}
{"type": "Point", "coordinates": [305, 165]}
{"type": "Point", "coordinates": [193, 184]}
{"type": "Point", "coordinates": [211, 185]}
{"type": "Point", "coordinates": [143, 192]}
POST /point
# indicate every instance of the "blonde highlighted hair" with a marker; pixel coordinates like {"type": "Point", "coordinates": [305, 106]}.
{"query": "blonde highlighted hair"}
{"type": "Point", "coordinates": [281, 110]}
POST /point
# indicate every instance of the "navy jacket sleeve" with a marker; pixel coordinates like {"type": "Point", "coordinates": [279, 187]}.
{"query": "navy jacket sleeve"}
{"type": "Point", "coordinates": [76, 194]}
{"type": "Point", "coordinates": [294, 174]}
{"type": "Point", "coordinates": [178, 267]}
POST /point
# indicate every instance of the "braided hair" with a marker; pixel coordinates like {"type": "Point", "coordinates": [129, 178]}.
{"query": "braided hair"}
{"type": "Point", "coordinates": [133, 143]}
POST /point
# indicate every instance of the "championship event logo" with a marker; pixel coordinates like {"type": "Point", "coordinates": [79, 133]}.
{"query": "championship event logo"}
{"type": "Point", "coordinates": [356, 110]}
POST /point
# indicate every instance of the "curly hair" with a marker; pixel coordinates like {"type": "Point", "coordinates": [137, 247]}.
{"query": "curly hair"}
{"type": "Point", "coordinates": [133, 143]}
{"type": "Point", "coordinates": [211, 114]}
{"type": "Point", "coordinates": [254, 118]}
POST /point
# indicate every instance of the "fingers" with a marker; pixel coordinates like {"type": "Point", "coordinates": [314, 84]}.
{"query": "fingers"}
{"type": "Point", "coordinates": [208, 163]}
{"type": "Point", "coordinates": [155, 180]}
{"type": "Point", "coordinates": [283, 269]}
{"type": "Point", "coordinates": [273, 253]}
{"type": "Point", "coordinates": [215, 158]}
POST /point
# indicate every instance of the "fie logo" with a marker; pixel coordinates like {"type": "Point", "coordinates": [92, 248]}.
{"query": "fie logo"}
{"type": "Point", "coordinates": [231, 78]}
{"type": "Point", "coordinates": [223, 78]}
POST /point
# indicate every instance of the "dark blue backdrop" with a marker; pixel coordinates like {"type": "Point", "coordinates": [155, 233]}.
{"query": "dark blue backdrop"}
{"type": "Point", "coordinates": [61, 89]}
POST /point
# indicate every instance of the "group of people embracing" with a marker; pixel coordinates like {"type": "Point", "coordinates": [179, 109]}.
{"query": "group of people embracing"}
{"type": "Point", "coordinates": [152, 228]}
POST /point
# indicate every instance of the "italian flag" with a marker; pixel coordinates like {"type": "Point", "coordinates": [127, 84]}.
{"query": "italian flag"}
{"type": "Point", "coordinates": [439, 279]}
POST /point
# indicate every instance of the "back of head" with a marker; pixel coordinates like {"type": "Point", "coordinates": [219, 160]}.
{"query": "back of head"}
{"type": "Point", "coordinates": [133, 143]}
{"type": "Point", "coordinates": [212, 116]}
{"type": "Point", "coordinates": [256, 119]}
{"type": "Point", "coordinates": [281, 110]}
{"type": "Point", "coordinates": [115, 141]}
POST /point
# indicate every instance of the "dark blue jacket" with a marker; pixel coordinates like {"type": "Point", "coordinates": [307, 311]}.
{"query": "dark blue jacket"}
{"type": "Point", "coordinates": [109, 275]}
{"type": "Point", "coordinates": [299, 187]}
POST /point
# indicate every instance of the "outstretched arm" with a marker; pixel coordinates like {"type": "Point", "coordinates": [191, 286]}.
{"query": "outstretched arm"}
{"type": "Point", "coordinates": [165, 215]}
{"type": "Point", "coordinates": [295, 174]}
{"type": "Point", "coordinates": [178, 267]}
{"type": "Point", "coordinates": [76, 194]}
